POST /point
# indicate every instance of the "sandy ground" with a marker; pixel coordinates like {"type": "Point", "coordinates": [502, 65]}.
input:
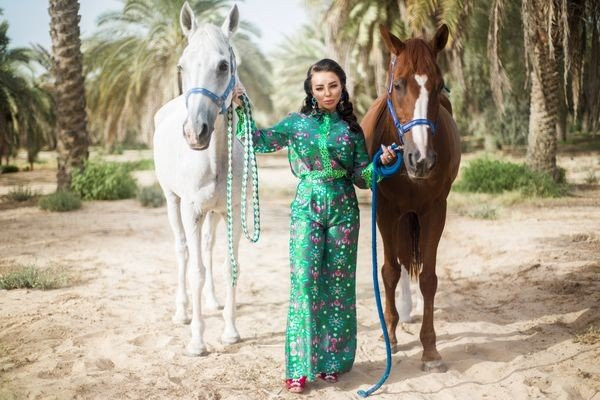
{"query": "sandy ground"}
{"type": "Point", "coordinates": [513, 294]}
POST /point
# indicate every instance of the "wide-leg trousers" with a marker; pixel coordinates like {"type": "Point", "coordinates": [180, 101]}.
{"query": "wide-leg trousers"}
{"type": "Point", "coordinates": [321, 325]}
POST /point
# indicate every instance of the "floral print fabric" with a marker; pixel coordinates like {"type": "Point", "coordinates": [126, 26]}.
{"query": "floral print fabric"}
{"type": "Point", "coordinates": [328, 158]}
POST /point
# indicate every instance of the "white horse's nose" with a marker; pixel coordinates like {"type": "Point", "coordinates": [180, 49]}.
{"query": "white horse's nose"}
{"type": "Point", "coordinates": [204, 130]}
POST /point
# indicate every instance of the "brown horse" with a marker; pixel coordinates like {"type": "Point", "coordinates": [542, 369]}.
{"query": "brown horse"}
{"type": "Point", "coordinates": [412, 204]}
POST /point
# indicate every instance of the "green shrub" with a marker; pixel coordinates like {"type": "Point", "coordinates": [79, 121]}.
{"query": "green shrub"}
{"type": "Point", "coordinates": [490, 176]}
{"type": "Point", "coordinates": [591, 178]}
{"type": "Point", "coordinates": [103, 181]}
{"type": "Point", "coordinates": [29, 276]}
{"type": "Point", "coordinates": [21, 193]}
{"type": "Point", "coordinates": [6, 169]}
{"type": "Point", "coordinates": [139, 165]}
{"type": "Point", "coordinates": [151, 196]}
{"type": "Point", "coordinates": [60, 201]}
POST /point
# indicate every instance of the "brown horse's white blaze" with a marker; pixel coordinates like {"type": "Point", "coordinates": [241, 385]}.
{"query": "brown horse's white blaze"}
{"type": "Point", "coordinates": [424, 159]}
{"type": "Point", "coordinates": [412, 204]}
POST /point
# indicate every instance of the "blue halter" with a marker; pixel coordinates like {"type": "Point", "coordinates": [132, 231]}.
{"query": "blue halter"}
{"type": "Point", "coordinates": [218, 100]}
{"type": "Point", "coordinates": [401, 128]}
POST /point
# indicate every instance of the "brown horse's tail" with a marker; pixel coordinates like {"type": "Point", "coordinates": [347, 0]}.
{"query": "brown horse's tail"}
{"type": "Point", "coordinates": [416, 262]}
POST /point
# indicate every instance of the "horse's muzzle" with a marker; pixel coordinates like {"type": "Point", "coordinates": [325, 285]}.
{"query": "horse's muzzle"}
{"type": "Point", "coordinates": [420, 168]}
{"type": "Point", "coordinates": [199, 141]}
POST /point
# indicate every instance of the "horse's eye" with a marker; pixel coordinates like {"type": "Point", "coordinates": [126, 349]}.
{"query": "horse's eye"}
{"type": "Point", "coordinates": [399, 84]}
{"type": "Point", "coordinates": [179, 67]}
{"type": "Point", "coordinates": [223, 66]}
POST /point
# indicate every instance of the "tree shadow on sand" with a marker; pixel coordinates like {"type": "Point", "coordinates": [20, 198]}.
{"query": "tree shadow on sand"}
{"type": "Point", "coordinates": [559, 306]}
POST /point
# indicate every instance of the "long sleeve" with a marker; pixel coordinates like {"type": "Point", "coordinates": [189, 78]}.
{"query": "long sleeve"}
{"type": "Point", "coordinates": [266, 140]}
{"type": "Point", "coordinates": [362, 170]}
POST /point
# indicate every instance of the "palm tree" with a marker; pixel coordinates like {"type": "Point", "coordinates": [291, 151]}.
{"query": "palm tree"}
{"type": "Point", "coordinates": [555, 42]}
{"type": "Point", "coordinates": [131, 62]}
{"type": "Point", "coordinates": [544, 83]}
{"type": "Point", "coordinates": [590, 67]}
{"type": "Point", "coordinates": [353, 38]}
{"type": "Point", "coordinates": [26, 116]}
{"type": "Point", "coordinates": [291, 61]}
{"type": "Point", "coordinates": [69, 91]}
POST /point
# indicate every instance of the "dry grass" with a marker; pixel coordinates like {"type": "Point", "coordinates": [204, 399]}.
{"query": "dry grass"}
{"type": "Point", "coordinates": [590, 336]}
{"type": "Point", "coordinates": [33, 277]}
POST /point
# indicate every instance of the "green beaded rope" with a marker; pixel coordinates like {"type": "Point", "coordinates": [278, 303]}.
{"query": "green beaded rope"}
{"type": "Point", "coordinates": [248, 164]}
{"type": "Point", "coordinates": [232, 260]}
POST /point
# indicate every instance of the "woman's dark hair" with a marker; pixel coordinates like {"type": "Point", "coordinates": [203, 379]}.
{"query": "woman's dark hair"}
{"type": "Point", "coordinates": [344, 107]}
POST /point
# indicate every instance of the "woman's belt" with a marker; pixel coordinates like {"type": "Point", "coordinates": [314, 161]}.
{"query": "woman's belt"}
{"type": "Point", "coordinates": [324, 176]}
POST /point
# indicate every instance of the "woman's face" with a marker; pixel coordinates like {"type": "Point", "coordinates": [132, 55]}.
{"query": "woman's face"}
{"type": "Point", "coordinates": [327, 89]}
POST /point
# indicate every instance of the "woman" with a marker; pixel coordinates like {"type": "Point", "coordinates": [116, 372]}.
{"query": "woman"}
{"type": "Point", "coordinates": [327, 152]}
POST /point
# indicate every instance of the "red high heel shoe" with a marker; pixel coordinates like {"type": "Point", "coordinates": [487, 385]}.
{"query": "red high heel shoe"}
{"type": "Point", "coordinates": [296, 385]}
{"type": "Point", "coordinates": [329, 377]}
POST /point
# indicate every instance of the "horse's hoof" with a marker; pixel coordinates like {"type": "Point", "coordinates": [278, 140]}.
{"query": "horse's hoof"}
{"type": "Point", "coordinates": [181, 320]}
{"type": "Point", "coordinates": [195, 350]}
{"type": "Point", "coordinates": [434, 366]}
{"type": "Point", "coordinates": [392, 342]}
{"type": "Point", "coordinates": [230, 339]}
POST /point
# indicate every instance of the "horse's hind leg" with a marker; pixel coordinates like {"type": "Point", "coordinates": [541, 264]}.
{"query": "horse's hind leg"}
{"type": "Point", "coordinates": [405, 296]}
{"type": "Point", "coordinates": [230, 333]}
{"type": "Point", "coordinates": [181, 253]}
{"type": "Point", "coordinates": [208, 243]}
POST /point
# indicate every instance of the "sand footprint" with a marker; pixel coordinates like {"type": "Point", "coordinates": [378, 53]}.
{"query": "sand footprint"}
{"type": "Point", "coordinates": [99, 364]}
{"type": "Point", "coordinates": [150, 340]}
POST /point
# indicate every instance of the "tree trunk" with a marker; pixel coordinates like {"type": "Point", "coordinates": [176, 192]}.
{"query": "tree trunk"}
{"type": "Point", "coordinates": [591, 88]}
{"type": "Point", "coordinates": [72, 146]}
{"type": "Point", "coordinates": [541, 149]}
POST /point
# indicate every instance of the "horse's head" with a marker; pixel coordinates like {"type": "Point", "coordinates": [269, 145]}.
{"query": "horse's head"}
{"type": "Point", "coordinates": [208, 74]}
{"type": "Point", "coordinates": [414, 84]}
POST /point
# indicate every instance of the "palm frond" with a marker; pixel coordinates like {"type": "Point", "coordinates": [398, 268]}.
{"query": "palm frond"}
{"type": "Point", "coordinates": [131, 62]}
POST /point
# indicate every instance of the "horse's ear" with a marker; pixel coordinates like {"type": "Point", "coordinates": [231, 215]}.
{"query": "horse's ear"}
{"type": "Point", "coordinates": [231, 22]}
{"type": "Point", "coordinates": [393, 44]}
{"type": "Point", "coordinates": [187, 20]}
{"type": "Point", "coordinates": [440, 39]}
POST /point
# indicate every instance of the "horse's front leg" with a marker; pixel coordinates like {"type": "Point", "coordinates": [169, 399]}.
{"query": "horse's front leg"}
{"type": "Point", "coordinates": [181, 253]}
{"type": "Point", "coordinates": [208, 243]}
{"type": "Point", "coordinates": [230, 333]}
{"type": "Point", "coordinates": [192, 221]}
{"type": "Point", "coordinates": [390, 271]}
{"type": "Point", "coordinates": [432, 226]}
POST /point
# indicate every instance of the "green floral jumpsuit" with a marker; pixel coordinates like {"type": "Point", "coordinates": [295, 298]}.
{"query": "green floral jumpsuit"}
{"type": "Point", "coordinates": [327, 157]}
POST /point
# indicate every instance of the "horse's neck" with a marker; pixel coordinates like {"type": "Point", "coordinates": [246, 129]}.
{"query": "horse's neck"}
{"type": "Point", "coordinates": [377, 125]}
{"type": "Point", "coordinates": [218, 148]}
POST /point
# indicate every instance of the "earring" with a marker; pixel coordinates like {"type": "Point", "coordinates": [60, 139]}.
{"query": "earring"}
{"type": "Point", "coordinates": [313, 102]}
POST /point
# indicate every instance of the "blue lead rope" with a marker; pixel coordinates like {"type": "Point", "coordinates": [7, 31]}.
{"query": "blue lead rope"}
{"type": "Point", "coordinates": [384, 171]}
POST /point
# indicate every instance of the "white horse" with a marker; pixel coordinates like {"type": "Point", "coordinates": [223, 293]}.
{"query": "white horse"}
{"type": "Point", "coordinates": [190, 156]}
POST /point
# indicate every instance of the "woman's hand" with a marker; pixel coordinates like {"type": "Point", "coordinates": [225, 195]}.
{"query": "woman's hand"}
{"type": "Point", "coordinates": [237, 92]}
{"type": "Point", "coordinates": [388, 156]}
